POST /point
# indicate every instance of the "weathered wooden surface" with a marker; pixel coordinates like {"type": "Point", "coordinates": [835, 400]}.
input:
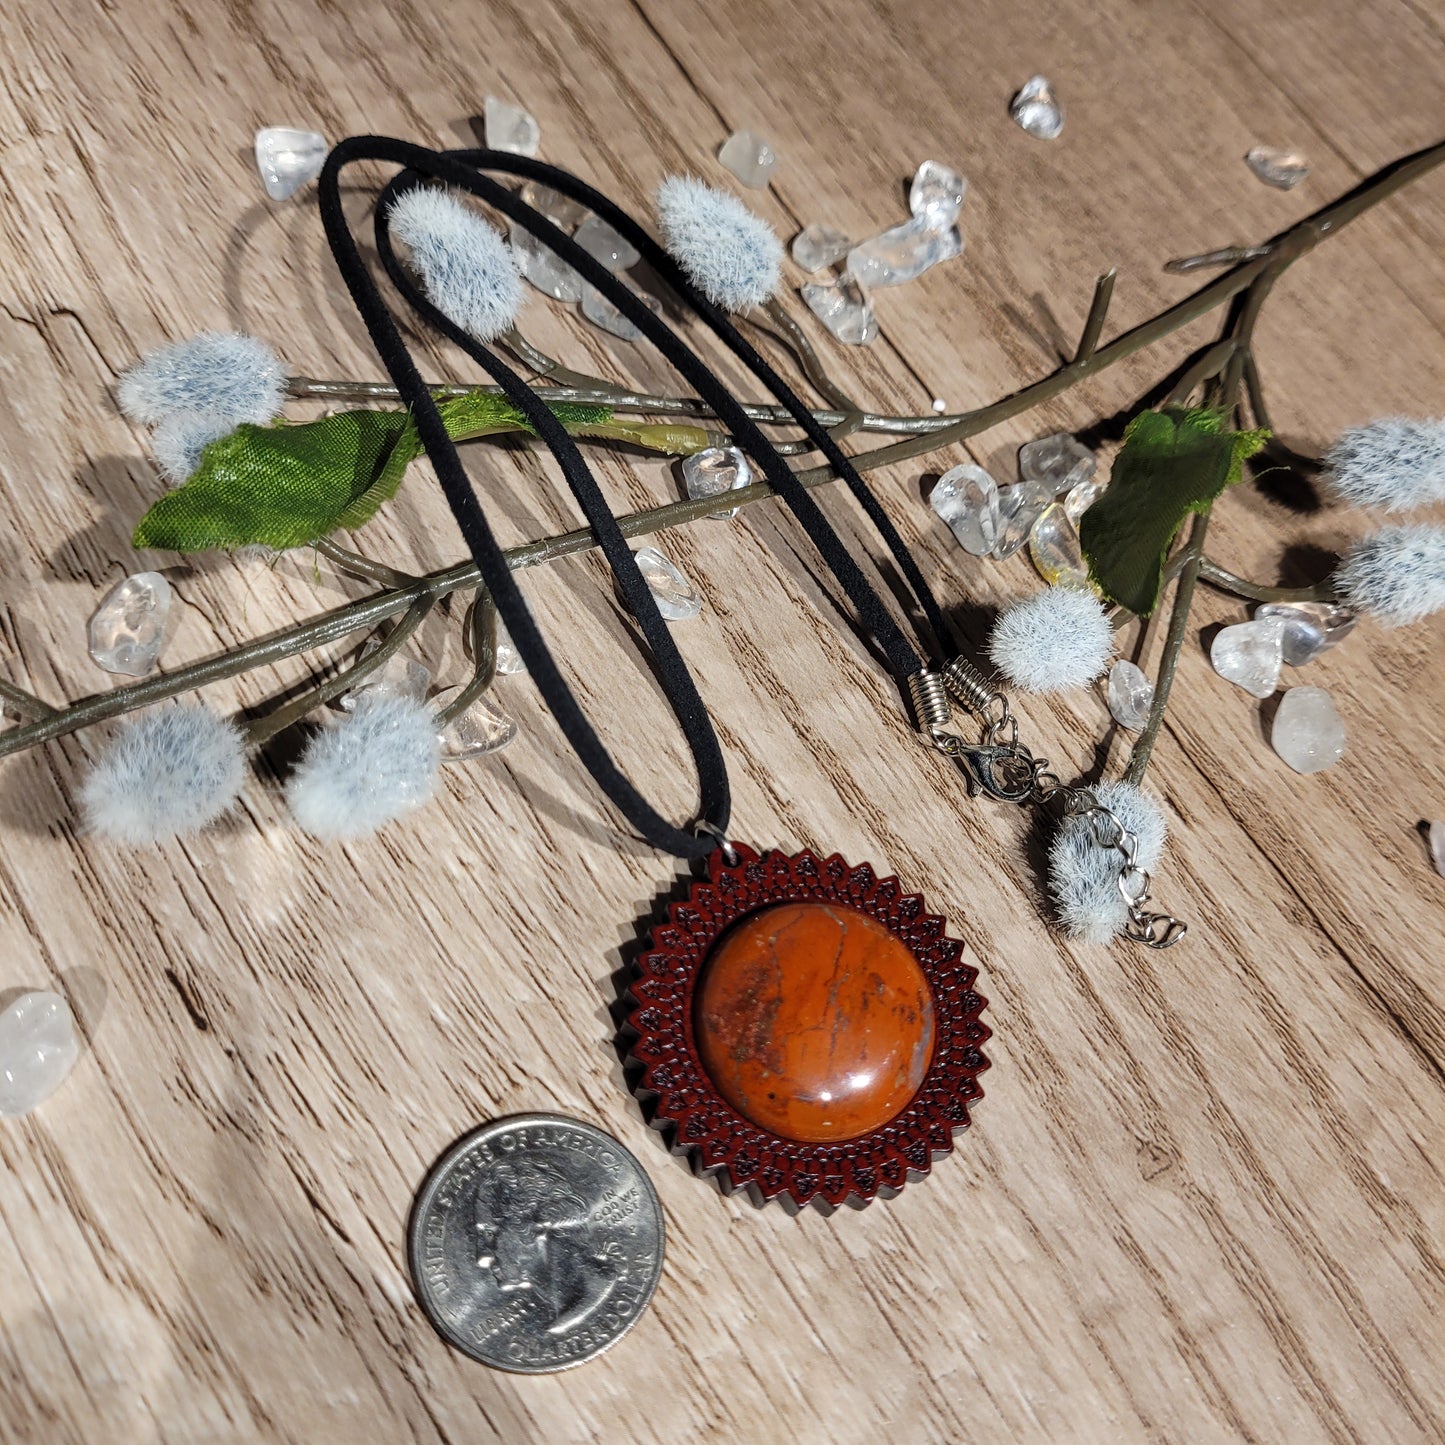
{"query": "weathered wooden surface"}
{"type": "Point", "coordinates": [1203, 1199]}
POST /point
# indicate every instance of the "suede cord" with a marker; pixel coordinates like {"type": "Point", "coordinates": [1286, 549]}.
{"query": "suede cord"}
{"type": "Point", "coordinates": [464, 170]}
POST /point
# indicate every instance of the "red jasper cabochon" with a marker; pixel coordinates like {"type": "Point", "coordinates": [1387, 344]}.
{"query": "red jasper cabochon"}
{"type": "Point", "coordinates": [814, 1021]}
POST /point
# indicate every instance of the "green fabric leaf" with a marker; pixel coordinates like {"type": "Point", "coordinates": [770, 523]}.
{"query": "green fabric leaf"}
{"type": "Point", "coordinates": [1172, 463]}
{"type": "Point", "coordinates": [286, 484]}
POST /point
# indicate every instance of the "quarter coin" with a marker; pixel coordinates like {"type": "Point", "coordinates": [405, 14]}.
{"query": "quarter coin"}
{"type": "Point", "coordinates": [536, 1243]}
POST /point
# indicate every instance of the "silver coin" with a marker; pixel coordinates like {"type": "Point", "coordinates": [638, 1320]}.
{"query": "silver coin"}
{"type": "Point", "coordinates": [536, 1243]}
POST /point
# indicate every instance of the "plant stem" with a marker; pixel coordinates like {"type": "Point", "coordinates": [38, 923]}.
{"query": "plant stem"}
{"type": "Point", "coordinates": [1098, 311]}
{"type": "Point", "coordinates": [1225, 581]}
{"type": "Point", "coordinates": [355, 565]}
{"type": "Point", "coordinates": [267, 726]}
{"type": "Point", "coordinates": [484, 650]}
{"type": "Point", "coordinates": [924, 434]}
{"type": "Point", "coordinates": [1193, 555]}
{"type": "Point", "coordinates": [26, 704]}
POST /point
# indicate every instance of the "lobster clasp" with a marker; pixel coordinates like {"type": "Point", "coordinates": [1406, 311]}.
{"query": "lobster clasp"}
{"type": "Point", "coordinates": [1004, 772]}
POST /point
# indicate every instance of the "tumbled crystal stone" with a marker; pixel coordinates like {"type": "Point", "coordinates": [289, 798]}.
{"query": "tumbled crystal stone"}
{"type": "Point", "coordinates": [749, 157]}
{"type": "Point", "coordinates": [1282, 169]}
{"type": "Point", "coordinates": [400, 675]}
{"type": "Point", "coordinates": [1082, 496]}
{"type": "Point", "coordinates": [601, 312]}
{"type": "Point", "coordinates": [715, 470]}
{"type": "Point", "coordinates": [966, 497]}
{"type": "Point", "coordinates": [510, 128]}
{"type": "Point", "coordinates": [1131, 695]}
{"type": "Point", "coordinates": [1310, 628]}
{"type": "Point", "coordinates": [936, 195]}
{"type": "Point", "coordinates": [543, 268]}
{"type": "Point", "coordinates": [480, 729]}
{"type": "Point", "coordinates": [1055, 551]}
{"type": "Point", "coordinates": [599, 240]}
{"type": "Point", "coordinates": [288, 158]}
{"type": "Point", "coordinates": [1307, 731]}
{"type": "Point", "coordinates": [127, 632]}
{"type": "Point", "coordinates": [1437, 845]}
{"type": "Point", "coordinates": [817, 247]}
{"type": "Point", "coordinates": [903, 253]}
{"type": "Point", "coordinates": [1059, 462]}
{"type": "Point", "coordinates": [1036, 108]}
{"type": "Point", "coordinates": [1250, 654]}
{"type": "Point", "coordinates": [844, 308]}
{"type": "Point", "coordinates": [673, 593]}
{"type": "Point", "coordinates": [561, 210]}
{"type": "Point", "coordinates": [1019, 507]}
{"type": "Point", "coordinates": [38, 1048]}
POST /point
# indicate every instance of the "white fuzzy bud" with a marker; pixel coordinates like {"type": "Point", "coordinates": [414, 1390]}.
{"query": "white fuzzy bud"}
{"type": "Point", "coordinates": [1396, 574]}
{"type": "Point", "coordinates": [373, 766]}
{"type": "Point", "coordinates": [233, 377]}
{"type": "Point", "coordinates": [467, 269]}
{"type": "Point", "coordinates": [1395, 463]}
{"type": "Point", "coordinates": [732, 256]}
{"type": "Point", "coordinates": [169, 772]}
{"type": "Point", "coordinates": [1084, 872]}
{"type": "Point", "coordinates": [1055, 640]}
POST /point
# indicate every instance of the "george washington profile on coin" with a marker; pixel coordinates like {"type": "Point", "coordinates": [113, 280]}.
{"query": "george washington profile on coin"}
{"type": "Point", "coordinates": [535, 1236]}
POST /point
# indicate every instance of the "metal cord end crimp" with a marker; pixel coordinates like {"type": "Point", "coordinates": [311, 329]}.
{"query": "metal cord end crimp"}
{"type": "Point", "coordinates": [931, 707]}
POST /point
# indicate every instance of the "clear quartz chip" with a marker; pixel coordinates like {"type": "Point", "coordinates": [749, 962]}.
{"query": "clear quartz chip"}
{"type": "Point", "coordinates": [543, 268]}
{"type": "Point", "coordinates": [38, 1049]}
{"type": "Point", "coordinates": [510, 128]}
{"type": "Point", "coordinates": [561, 210]}
{"type": "Point", "coordinates": [966, 497]}
{"type": "Point", "coordinates": [816, 247]}
{"type": "Point", "coordinates": [1437, 845]}
{"type": "Point", "coordinates": [1310, 628]}
{"type": "Point", "coordinates": [936, 195]}
{"type": "Point", "coordinates": [844, 308]}
{"type": "Point", "coordinates": [1059, 462]}
{"type": "Point", "coordinates": [401, 675]}
{"type": "Point", "coordinates": [128, 630]}
{"type": "Point", "coordinates": [716, 470]}
{"type": "Point", "coordinates": [599, 240]}
{"type": "Point", "coordinates": [1082, 496]}
{"type": "Point", "coordinates": [1307, 731]}
{"type": "Point", "coordinates": [1036, 108]}
{"type": "Point", "coordinates": [1131, 695]}
{"type": "Point", "coordinates": [749, 157]}
{"type": "Point", "coordinates": [903, 253]}
{"type": "Point", "coordinates": [288, 158]}
{"type": "Point", "coordinates": [1020, 505]}
{"type": "Point", "coordinates": [1250, 654]}
{"type": "Point", "coordinates": [601, 312]}
{"type": "Point", "coordinates": [1282, 169]}
{"type": "Point", "coordinates": [1054, 549]}
{"type": "Point", "coordinates": [479, 729]}
{"type": "Point", "coordinates": [674, 594]}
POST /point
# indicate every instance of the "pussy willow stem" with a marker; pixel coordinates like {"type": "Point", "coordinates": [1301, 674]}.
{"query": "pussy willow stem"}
{"type": "Point", "coordinates": [484, 650]}
{"type": "Point", "coordinates": [1173, 647]}
{"type": "Point", "coordinates": [927, 434]}
{"type": "Point", "coordinates": [26, 704]}
{"type": "Point", "coordinates": [355, 565]}
{"type": "Point", "coordinates": [1226, 581]}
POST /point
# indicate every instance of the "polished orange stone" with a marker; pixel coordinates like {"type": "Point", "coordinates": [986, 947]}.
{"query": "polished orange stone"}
{"type": "Point", "coordinates": [814, 1021]}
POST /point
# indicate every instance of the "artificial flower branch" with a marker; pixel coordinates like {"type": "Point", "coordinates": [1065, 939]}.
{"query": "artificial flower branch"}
{"type": "Point", "coordinates": [1250, 279]}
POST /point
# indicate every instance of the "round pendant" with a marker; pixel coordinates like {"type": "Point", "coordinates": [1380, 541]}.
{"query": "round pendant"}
{"type": "Point", "coordinates": [806, 1030]}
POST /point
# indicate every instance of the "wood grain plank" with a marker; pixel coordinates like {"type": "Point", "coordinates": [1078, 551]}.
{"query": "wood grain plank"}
{"type": "Point", "coordinates": [1203, 1198]}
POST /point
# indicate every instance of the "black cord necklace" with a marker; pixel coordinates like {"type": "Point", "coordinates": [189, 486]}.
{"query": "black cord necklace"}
{"type": "Point", "coordinates": [807, 1029]}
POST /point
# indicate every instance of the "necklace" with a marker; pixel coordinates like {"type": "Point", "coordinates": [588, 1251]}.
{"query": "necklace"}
{"type": "Point", "coordinates": [803, 1029]}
